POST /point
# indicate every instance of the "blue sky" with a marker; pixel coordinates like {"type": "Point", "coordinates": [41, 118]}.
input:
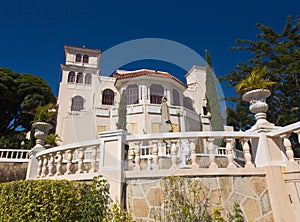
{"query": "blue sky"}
{"type": "Point", "coordinates": [33, 33]}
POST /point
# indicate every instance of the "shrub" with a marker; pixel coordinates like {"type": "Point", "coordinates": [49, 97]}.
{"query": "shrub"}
{"type": "Point", "coordinates": [51, 200]}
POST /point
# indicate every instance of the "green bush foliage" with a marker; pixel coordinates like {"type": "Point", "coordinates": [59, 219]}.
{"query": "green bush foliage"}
{"type": "Point", "coordinates": [52, 200]}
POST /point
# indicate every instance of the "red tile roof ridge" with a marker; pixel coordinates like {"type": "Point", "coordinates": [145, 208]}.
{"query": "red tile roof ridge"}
{"type": "Point", "coordinates": [123, 74]}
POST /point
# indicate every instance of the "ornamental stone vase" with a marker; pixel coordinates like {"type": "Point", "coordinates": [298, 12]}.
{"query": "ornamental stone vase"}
{"type": "Point", "coordinates": [41, 132]}
{"type": "Point", "coordinates": [258, 106]}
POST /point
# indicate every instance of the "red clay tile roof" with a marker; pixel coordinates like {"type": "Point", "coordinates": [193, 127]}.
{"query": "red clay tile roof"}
{"type": "Point", "coordinates": [142, 72]}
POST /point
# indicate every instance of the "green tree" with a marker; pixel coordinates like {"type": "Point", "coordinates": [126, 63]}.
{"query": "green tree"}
{"type": "Point", "coordinates": [122, 111]}
{"type": "Point", "coordinates": [21, 94]}
{"type": "Point", "coordinates": [280, 54]}
{"type": "Point", "coordinates": [217, 120]}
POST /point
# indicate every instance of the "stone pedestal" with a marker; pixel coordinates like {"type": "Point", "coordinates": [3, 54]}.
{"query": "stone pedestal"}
{"type": "Point", "coordinates": [265, 151]}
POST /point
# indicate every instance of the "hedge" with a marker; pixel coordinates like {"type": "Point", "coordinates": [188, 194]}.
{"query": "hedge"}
{"type": "Point", "coordinates": [54, 200]}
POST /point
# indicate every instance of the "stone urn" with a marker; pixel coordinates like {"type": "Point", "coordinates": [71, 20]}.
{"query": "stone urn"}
{"type": "Point", "coordinates": [40, 133]}
{"type": "Point", "coordinates": [258, 106]}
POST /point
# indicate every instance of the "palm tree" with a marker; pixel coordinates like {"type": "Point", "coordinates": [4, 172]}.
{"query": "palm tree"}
{"type": "Point", "coordinates": [52, 139]}
{"type": "Point", "coordinates": [257, 79]}
{"type": "Point", "coordinates": [45, 113]}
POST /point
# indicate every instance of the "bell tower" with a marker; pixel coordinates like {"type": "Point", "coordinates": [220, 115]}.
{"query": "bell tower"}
{"type": "Point", "coordinates": [80, 79]}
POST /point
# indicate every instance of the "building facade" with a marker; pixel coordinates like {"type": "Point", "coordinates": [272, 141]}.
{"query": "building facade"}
{"type": "Point", "coordinates": [88, 102]}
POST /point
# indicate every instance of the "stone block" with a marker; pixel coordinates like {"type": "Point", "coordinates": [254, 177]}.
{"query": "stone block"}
{"type": "Point", "coordinates": [210, 182]}
{"type": "Point", "coordinates": [154, 196]}
{"type": "Point", "coordinates": [225, 187]}
{"type": "Point", "coordinates": [251, 209]}
{"type": "Point", "coordinates": [240, 185]}
{"type": "Point", "coordinates": [258, 184]}
{"type": "Point", "coordinates": [265, 203]}
{"type": "Point", "coordinates": [140, 208]}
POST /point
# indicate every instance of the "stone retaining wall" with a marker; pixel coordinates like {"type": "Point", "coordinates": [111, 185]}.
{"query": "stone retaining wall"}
{"type": "Point", "coordinates": [12, 171]}
{"type": "Point", "coordinates": [251, 192]}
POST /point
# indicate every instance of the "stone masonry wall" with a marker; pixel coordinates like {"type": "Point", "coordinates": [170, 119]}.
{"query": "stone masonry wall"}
{"type": "Point", "coordinates": [251, 192]}
{"type": "Point", "coordinates": [12, 171]}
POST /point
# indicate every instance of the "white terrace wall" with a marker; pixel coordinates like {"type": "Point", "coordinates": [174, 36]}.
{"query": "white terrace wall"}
{"type": "Point", "coordinates": [268, 193]}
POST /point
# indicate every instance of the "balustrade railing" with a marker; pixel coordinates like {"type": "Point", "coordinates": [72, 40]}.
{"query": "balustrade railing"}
{"type": "Point", "coordinates": [69, 159]}
{"type": "Point", "coordinates": [171, 150]}
{"type": "Point", "coordinates": [14, 156]}
{"type": "Point", "coordinates": [162, 151]}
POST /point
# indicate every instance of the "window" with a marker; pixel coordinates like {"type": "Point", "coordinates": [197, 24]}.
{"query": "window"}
{"type": "Point", "coordinates": [188, 103]}
{"type": "Point", "coordinates": [156, 94]}
{"type": "Point", "coordinates": [176, 100]}
{"type": "Point", "coordinates": [79, 78]}
{"type": "Point", "coordinates": [85, 59]}
{"type": "Point", "coordinates": [78, 57]}
{"type": "Point", "coordinates": [77, 103]}
{"type": "Point", "coordinates": [132, 94]}
{"type": "Point", "coordinates": [71, 76]}
{"type": "Point", "coordinates": [108, 97]}
{"type": "Point", "coordinates": [88, 79]}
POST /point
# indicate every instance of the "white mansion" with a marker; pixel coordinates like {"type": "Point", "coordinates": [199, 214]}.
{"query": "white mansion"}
{"type": "Point", "coordinates": [261, 174]}
{"type": "Point", "coordinates": [88, 102]}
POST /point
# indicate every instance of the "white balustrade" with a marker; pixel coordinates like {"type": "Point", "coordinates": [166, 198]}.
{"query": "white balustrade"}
{"type": "Point", "coordinates": [174, 153]}
{"type": "Point", "coordinates": [229, 153]}
{"type": "Point", "coordinates": [14, 156]}
{"type": "Point", "coordinates": [288, 149]}
{"type": "Point", "coordinates": [137, 155]}
{"type": "Point", "coordinates": [155, 155]}
{"type": "Point", "coordinates": [193, 151]}
{"type": "Point", "coordinates": [247, 155]}
{"type": "Point", "coordinates": [160, 152]}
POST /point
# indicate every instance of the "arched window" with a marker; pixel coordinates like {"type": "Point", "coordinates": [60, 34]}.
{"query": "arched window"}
{"type": "Point", "coordinates": [71, 76]}
{"type": "Point", "coordinates": [132, 94]}
{"type": "Point", "coordinates": [108, 97]}
{"type": "Point", "coordinates": [78, 57]}
{"type": "Point", "coordinates": [77, 103]}
{"type": "Point", "coordinates": [86, 59]}
{"type": "Point", "coordinates": [188, 103]}
{"type": "Point", "coordinates": [176, 100]}
{"type": "Point", "coordinates": [156, 94]}
{"type": "Point", "coordinates": [88, 79]}
{"type": "Point", "coordinates": [79, 78]}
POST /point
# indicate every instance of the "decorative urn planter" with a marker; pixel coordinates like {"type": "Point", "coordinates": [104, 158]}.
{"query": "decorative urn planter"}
{"type": "Point", "coordinates": [41, 131]}
{"type": "Point", "coordinates": [258, 106]}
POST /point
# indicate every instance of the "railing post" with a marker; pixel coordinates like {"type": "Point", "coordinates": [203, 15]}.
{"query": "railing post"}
{"type": "Point", "coordinates": [39, 168]}
{"type": "Point", "coordinates": [193, 151]}
{"type": "Point", "coordinates": [247, 155]}
{"type": "Point", "coordinates": [94, 159]}
{"type": "Point", "coordinates": [161, 149]}
{"type": "Point", "coordinates": [155, 155]}
{"type": "Point", "coordinates": [212, 153]}
{"type": "Point", "coordinates": [69, 161]}
{"type": "Point", "coordinates": [59, 163]}
{"type": "Point", "coordinates": [45, 163]}
{"type": "Point", "coordinates": [137, 155]}
{"type": "Point", "coordinates": [80, 160]}
{"type": "Point", "coordinates": [288, 149]}
{"type": "Point", "coordinates": [51, 164]}
{"type": "Point", "coordinates": [173, 153]}
{"type": "Point", "coordinates": [229, 153]}
{"type": "Point", "coordinates": [298, 133]}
